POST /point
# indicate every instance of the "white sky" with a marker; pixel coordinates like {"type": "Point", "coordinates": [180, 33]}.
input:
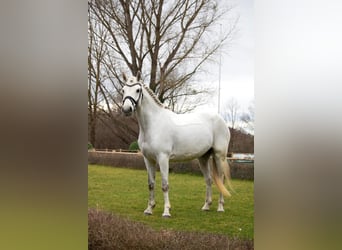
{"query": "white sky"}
{"type": "Point", "coordinates": [237, 68]}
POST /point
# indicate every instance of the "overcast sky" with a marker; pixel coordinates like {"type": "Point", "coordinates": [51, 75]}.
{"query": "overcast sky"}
{"type": "Point", "coordinates": [237, 68]}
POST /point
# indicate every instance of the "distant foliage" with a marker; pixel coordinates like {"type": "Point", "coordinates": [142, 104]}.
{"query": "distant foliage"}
{"type": "Point", "coordinates": [90, 146]}
{"type": "Point", "coordinates": [241, 142]}
{"type": "Point", "coordinates": [110, 135]}
{"type": "Point", "coordinates": [134, 146]}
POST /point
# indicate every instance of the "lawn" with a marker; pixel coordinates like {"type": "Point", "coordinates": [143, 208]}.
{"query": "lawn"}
{"type": "Point", "coordinates": [124, 192]}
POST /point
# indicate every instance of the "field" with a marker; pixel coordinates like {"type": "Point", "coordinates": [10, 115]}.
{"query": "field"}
{"type": "Point", "coordinates": [124, 192]}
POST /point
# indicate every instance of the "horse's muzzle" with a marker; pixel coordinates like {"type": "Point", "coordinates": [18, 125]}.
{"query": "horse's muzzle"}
{"type": "Point", "coordinates": [127, 110]}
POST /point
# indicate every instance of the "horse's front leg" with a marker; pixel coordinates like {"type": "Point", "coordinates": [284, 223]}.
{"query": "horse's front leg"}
{"type": "Point", "coordinates": [151, 171]}
{"type": "Point", "coordinates": [163, 161]}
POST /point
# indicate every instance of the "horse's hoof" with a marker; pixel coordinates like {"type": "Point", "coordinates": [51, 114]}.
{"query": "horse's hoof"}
{"type": "Point", "coordinates": [221, 210]}
{"type": "Point", "coordinates": [206, 207]}
{"type": "Point", "coordinates": [146, 212]}
{"type": "Point", "coordinates": [166, 215]}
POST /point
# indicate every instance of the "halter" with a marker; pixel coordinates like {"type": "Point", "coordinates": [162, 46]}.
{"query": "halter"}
{"type": "Point", "coordinates": [134, 102]}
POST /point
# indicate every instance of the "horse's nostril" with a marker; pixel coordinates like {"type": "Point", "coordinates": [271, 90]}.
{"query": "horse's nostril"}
{"type": "Point", "coordinates": [127, 110]}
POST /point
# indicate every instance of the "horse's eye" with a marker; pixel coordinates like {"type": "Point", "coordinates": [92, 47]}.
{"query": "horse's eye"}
{"type": "Point", "coordinates": [138, 90]}
{"type": "Point", "coordinates": [122, 91]}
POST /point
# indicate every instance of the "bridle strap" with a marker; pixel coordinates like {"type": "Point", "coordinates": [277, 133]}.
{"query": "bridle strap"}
{"type": "Point", "coordinates": [134, 102]}
{"type": "Point", "coordinates": [131, 85]}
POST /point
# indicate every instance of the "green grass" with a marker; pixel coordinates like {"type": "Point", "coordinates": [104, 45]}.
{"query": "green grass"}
{"type": "Point", "coordinates": [124, 192]}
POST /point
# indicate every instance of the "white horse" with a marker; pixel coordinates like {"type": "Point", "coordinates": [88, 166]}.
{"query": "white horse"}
{"type": "Point", "coordinates": [166, 136]}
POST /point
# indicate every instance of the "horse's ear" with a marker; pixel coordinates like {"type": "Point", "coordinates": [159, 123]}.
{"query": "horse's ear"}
{"type": "Point", "coordinates": [124, 77]}
{"type": "Point", "coordinates": [138, 76]}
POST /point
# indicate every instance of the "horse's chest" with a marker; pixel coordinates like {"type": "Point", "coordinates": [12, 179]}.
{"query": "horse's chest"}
{"type": "Point", "coordinates": [148, 147]}
{"type": "Point", "coordinates": [148, 151]}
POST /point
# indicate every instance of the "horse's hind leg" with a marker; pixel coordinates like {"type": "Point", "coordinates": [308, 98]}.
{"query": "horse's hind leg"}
{"type": "Point", "coordinates": [204, 165]}
{"type": "Point", "coordinates": [151, 171]}
{"type": "Point", "coordinates": [221, 200]}
{"type": "Point", "coordinates": [220, 165]}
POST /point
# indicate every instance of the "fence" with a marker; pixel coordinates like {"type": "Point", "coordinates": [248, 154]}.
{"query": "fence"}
{"type": "Point", "coordinates": [238, 170]}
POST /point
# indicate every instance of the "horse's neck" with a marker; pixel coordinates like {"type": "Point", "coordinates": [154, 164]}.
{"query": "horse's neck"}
{"type": "Point", "coordinates": [147, 113]}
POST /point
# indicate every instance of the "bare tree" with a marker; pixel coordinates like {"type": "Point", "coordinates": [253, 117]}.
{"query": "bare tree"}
{"type": "Point", "coordinates": [231, 112]}
{"type": "Point", "coordinates": [102, 99]}
{"type": "Point", "coordinates": [248, 118]}
{"type": "Point", "coordinates": [159, 38]}
{"type": "Point", "coordinates": [178, 98]}
{"type": "Point", "coordinates": [96, 52]}
{"type": "Point", "coordinates": [167, 41]}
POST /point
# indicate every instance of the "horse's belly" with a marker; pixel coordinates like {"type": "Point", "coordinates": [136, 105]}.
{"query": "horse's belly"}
{"type": "Point", "coordinates": [186, 156]}
{"type": "Point", "coordinates": [190, 145]}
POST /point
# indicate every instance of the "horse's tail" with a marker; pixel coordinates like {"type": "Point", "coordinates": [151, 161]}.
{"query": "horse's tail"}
{"type": "Point", "coordinates": [218, 177]}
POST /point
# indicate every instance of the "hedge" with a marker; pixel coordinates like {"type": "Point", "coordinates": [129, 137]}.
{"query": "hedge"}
{"type": "Point", "coordinates": [244, 171]}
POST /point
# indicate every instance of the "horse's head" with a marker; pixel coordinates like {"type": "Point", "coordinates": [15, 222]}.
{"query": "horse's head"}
{"type": "Point", "coordinates": [131, 94]}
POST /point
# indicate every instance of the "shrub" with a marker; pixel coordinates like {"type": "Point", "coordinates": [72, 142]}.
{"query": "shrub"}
{"type": "Point", "coordinates": [134, 146]}
{"type": "Point", "coordinates": [109, 231]}
{"type": "Point", "coordinates": [90, 146]}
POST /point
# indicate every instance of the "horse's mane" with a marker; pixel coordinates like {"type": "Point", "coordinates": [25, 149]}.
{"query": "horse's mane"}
{"type": "Point", "coordinates": [134, 79]}
{"type": "Point", "coordinates": [153, 95]}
